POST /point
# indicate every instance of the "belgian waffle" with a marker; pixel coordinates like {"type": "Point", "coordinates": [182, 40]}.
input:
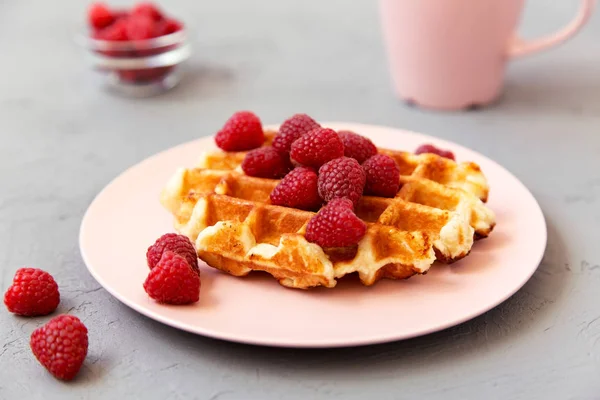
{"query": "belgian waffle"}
{"type": "Point", "coordinates": [436, 215]}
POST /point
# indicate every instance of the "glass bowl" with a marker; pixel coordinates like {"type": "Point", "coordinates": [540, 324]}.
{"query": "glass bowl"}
{"type": "Point", "coordinates": [139, 68]}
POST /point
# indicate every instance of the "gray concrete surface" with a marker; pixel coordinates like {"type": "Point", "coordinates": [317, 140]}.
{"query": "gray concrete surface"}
{"type": "Point", "coordinates": [63, 139]}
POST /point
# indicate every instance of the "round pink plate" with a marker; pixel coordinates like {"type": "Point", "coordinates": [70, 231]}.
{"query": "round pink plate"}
{"type": "Point", "coordinates": [126, 218]}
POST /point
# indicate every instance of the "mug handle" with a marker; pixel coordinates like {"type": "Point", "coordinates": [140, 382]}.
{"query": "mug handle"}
{"type": "Point", "coordinates": [520, 47]}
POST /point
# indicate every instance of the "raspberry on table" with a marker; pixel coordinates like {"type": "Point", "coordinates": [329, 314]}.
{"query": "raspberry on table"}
{"type": "Point", "coordinates": [342, 177]}
{"type": "Point", "coordinates": [317, 147]}
{"type": "Point", "coordinates": [147, 9]}
{"type": "Point", "coordinates": [429, 148]}
{"type": "Point", "coordinates": [242, 131]}
{"type": "Point", "coordinates": [266, 162]}
{"type": "Point", "coordinates": [173, 281]}
{"type": "Point", "coordinates": [140, 27]}
{"type": "Point", "coordinates": [32, 293]}
{"type": "Point", "coordinates": [291, 129]}
{"type": "Point", "coordinates": [336, 225]}
{"type": "Point", "coordinates": [61, 346]}
{"type": "Point", "coordinates": [100, 16]}
{"type": "Point", "coordinates": [383, 176]}
{"type": "Point", "coordinates": [178, 244]}
{"type": "Point", "coordinates": [356, 146]}
{"type": "Point", "coordinates": [298, 189]}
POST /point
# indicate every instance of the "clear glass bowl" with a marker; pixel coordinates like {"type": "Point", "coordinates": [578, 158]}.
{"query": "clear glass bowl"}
{"type": "Point", "coordinates": [139, 68]}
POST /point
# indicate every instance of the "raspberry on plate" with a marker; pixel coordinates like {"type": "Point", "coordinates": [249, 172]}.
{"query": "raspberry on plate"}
{"type": "Point", "coordinates": [149, 10]}
{"type": "Point", "coordinates": [298, 189]}
{"type": "Point", "coordinates": [336, 225]}
{"type": "Point", "coordinates": [100, 16]}
{"type": "Point", "coordinates": [173, 281]}
{"type": "Point", "coordinates": [291, 129]}
{"type": "Point", "coordinates": [383, 176]}
{"type": "Point", "coordinates": [317, 147]}
{"type": "Point", "coordinates": [342, 177]}
{"type": "Point", "coordinates": [32, 293]}
{"type": "Point", "coordinates": [61, 346]}
{"type": "Point", "coordinates": [176, 243]}
{"type": "Point", "coordinates": [242, 131]}
{"type": "Point", "coordinates": [266, 162]}
{"type": "Point", "coordinates": [429, 148]}
{"type": "Point", "coordinates": [356, 146]}
{"type": "Point", "coordinates": [140, 27]}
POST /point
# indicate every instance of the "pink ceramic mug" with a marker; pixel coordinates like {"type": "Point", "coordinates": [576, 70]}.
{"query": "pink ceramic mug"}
{"type": "Point", "coordinates": [451, 54]}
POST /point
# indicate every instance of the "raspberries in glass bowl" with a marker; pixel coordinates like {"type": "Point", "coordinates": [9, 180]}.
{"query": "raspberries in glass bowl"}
{"type": "Point", "coordinates": [140, 47]}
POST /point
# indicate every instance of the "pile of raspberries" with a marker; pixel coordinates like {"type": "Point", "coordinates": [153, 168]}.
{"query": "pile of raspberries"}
{"type": "Point", "coordinates": [319, 169]}
{"type": "Point", "coordinates": [144, 21]}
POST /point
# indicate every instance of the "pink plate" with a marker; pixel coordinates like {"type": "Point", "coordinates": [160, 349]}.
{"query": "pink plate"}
{"type": "Point", "coordinates": [126, 217]}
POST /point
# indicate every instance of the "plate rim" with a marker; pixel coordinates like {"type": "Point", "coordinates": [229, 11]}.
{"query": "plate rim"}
{"type": "Point", "coordinates": [364, 341]}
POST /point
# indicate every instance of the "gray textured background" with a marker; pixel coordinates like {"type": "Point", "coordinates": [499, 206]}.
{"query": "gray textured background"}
{"type": "Point", "coordinates": [63, 139]}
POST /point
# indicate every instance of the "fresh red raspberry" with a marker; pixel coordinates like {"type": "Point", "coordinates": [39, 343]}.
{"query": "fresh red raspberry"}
{"type": "Point", "coordinates": [242, 131]}
{"type": "Point", "coordinates": [336, 225]}
{"type": "Point", "coordinates": [61, 346]}
{"type": "Point", "coordinates": [149, 10]}
{"type": "Point", "coordinates": [168, 26]}
{"type": "Point", "coordinates": [356, 146]}
{"type": "Point", "coordinates": [298, 189]}
{"type": "Point", "coordinates": [140, 27]}
{"type": "Point", "coordinates": [317, 147]}
{"type": "Point", "coordinates": [383, 176]}
{"type": "Point", "coordinates": [178, 244]}
{"type": "Point", "coordinates": [429, 148]}
{"type": "Point", "coordinates": [173, 281]}
{"type": "Point", "coordinates": [117, 32]}
{"type": "Point", "coordinates": [100, 16]}
{"type": "Point", "coordinates": [342, 177]}
{"type": "Point", "coordinates": [291, 129]}
{"type": "Point", "coordinates": [33, 292]}
{"type": "Point", "coordinates": [266, 162]}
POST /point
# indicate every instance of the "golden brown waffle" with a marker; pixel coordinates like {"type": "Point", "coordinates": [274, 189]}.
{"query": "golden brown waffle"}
{"type": "Point", "coordinates": [437, 213]}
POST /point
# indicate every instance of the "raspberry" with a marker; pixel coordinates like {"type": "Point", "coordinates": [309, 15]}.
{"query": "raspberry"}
{"type": "Point", "coordinates": [140, 27]}
{"type": "Point", "coordinates": [342, 177]}
{"type": "Point", "coordinates": [429, 148]}
{"type": "Point", "coordinates": [168, 26]}
{"type": "Point", "coordinates": [266, 162]}
{"type": "Point", "coordinates": [291, 129]}
{"type": "Point", "coordinates": [356, 146]}
{"type": "Point", "coordinates": [383, 176]}
{"type": "Point", "coordinates": [178, 244]}
{"type": "Point", "coordinates": [148, 10]}
{"type": "Point", "coordinates": [33, 292]}
{"type": "Point", "coordinates": [61, 346]}
{"type": "Point", "coordinates": [100, 16]}
{"type": "Point", "coordinates": [298, 189]}
{"type": "Point", "coordinates": [336, 225]}
{"type": "Point", "coordinates": [173, 281]}
{"type": "Point", "coordinates": [242, 131]}
{"type": "Point", "coordinates": [317, 147]}
{"type": "Point", "coordinates": [114, 33]}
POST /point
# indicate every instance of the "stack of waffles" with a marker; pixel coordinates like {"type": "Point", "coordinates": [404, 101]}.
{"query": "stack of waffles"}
{"type": "Point", "coordinates": [437, 214]}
